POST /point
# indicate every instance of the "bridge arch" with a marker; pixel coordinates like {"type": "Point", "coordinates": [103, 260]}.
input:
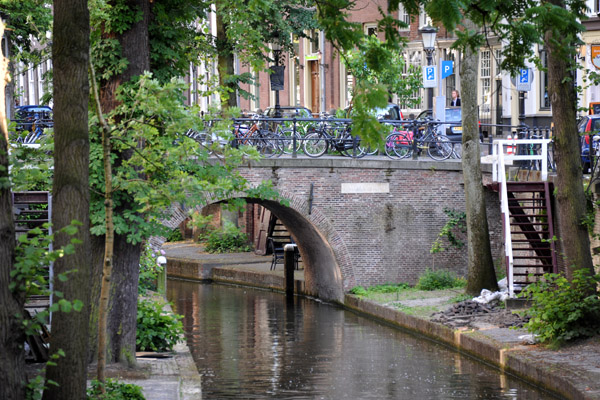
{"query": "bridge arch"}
{"type": "Point", "coordinates": [327, 267]}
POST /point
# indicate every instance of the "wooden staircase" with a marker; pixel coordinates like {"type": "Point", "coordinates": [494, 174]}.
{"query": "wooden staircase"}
{"type": "Point", "coordinates": [531, 231]}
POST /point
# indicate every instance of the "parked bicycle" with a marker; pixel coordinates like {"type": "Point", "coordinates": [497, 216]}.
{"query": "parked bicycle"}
{"type": "Point", "coordinates": [333, 134]}
{"type": "Point", "coordinates": [256, 135]}
{"type": "Point", "coordinates": [402, 144]}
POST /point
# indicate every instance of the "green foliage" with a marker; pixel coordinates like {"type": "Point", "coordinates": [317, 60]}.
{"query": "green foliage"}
{"type": "Point", "coordinates": [157, 330]}
{"type": "Point", "coordinates": [563, 310]}
{"type": "Point", "coordinates": [365, 65]}
{"type": "Point", "coordinates": [384, 288]}
{"type": "Point", "coordinates": [31, 168]}
{"type": "Point", "coordinates": [456, 222]}
{"type": "Point", "coordinates": [359, 291]}
{"type": "Point", "coordinates": [440, 279]}
{"type": "Point", "coordinates": [35, 387]}
{"type": "Point", "coordinates": [149, 269]}
{"type": "Point", "coordinates": [229, 239]}
{"type": "Point", "coordinates": [175, 236]}
{"type": "Point", "coordinates": [115, 390]}
{"type": "Point", "coordinates": [27, 23]}
{"type": "Point", "coordinates": [389, 288]}
{"type": "Point", "coordinates": [170, 168]}
{"type": "Point", "coordinates": [32, 259]}
{"type": "Point", "coordinates": [461, 297]}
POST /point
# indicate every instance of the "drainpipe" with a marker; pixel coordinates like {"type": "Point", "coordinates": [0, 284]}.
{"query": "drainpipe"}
{"type": "Point", "coordinates": [322, 69]}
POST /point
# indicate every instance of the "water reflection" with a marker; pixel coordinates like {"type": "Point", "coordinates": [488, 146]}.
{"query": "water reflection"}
{"type": "Point", "coordinates": [252, 344]}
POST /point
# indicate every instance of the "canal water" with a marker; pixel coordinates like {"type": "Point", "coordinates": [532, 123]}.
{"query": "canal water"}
{"type": "Point", "coordinates": [251, 344]}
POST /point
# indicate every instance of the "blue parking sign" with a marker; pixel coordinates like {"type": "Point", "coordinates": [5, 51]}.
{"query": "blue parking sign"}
{"type": "Point", "coordinates": [524, 75]}
{"type": "Point", "coordinates": [429, 76]}
{"type": "Point", "coordinates": [524, 80]}
{"type": "Point", "coordinates": [447, 68]}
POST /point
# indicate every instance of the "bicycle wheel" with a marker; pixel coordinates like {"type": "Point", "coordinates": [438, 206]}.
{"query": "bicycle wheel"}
{"type": "Point", "coordinates": [351, 147]}
{"type": "Point", "coordinates": [315, 144]}
{"type": "Point", "coordinates": [286, 141]}
{"type": "Point", "coordinates": [439, 147]}
{"type": "Point", "coordinates": [267, 144]}
{"type": "Point", "coordinates": [398, 145]}
{"type": "Point", "coordinates": [457, 150]}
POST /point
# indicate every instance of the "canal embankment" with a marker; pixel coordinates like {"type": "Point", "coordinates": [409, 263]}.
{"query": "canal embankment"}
{"type": "Point", "coordinates": [573, 372]}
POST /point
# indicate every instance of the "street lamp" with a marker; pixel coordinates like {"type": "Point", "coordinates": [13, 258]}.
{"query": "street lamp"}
{"type": "Point", "coordinates": [277, 76]}
{"type": "Point", "coordinates": [428, 36]}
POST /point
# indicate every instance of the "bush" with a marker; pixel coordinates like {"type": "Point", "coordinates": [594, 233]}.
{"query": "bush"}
{"type": "Point", "coordinates": [175, 236]}
{"type": "Point", "coordinates": [359, 291]}
{"type": "Point", "coordinates": [115, 390]}
{"type": "Point", "coordinates": [563, 310]}
{"type": "Point", "coordinates": [227, 240]}
{"type": "Point", "coordinates": [438, 280]}
{"type": "Point", "coordinates": [156, 329]}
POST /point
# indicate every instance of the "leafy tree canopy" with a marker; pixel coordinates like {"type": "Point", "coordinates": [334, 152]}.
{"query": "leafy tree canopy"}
{"type": "Point", "coordinates": [27, 21]}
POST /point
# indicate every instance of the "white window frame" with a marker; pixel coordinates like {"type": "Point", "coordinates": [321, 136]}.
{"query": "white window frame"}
{"type": "Point", "coordinates": [485, 76]}
{"type": "Point", "coordinates": [369, 26]}
{"type": "Point", "coordinates": [404, 17]}
{"type": "Point", "coordinates": [424, 19]}
{"type": "Point", "coordinates": [415, 58]}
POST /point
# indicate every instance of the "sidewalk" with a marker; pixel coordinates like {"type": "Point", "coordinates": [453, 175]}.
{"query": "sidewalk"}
{"type": "Point", "coordinates": [172, 378]}
{"type": "Point", "coordinates": [162, 376]}
{"type": "Point", "coordinates": [573, 371]}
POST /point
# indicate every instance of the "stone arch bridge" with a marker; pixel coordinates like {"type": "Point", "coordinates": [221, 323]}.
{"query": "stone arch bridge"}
{"type": "Point", "coordinates": [368, 221]}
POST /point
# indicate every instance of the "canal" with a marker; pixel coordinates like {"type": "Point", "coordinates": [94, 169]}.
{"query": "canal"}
{"type": "Point", "coordinates": [251, 344]}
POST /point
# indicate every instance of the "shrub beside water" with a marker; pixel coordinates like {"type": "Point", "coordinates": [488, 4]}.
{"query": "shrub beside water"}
{"type": "Point", "coordinates": [229, 239]}
{"type": "Point", "coordinates": [439, 280]}
{"type": "Point", "coordinates": [561, 310]}
{"type": "Point", "coordinates": [115, 390]}
{"type": "Point", "coordinates": [156, 329]}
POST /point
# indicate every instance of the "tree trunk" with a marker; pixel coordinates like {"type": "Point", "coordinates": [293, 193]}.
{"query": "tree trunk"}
{"type": "Point", "coordinates": [12, 337]}
{"type": "Point", "coordinates": [570, 195]}
{"type": "Point", "coordinates": [481, 274]}
{"type": "Point", "coordinates": [123, 279]}
{"type": "Point", "coordinates": [122, 318]}
{"type": "Point", "coordinates": [70, 57]}
{"type": "Point", "coordinates": [225, 62]}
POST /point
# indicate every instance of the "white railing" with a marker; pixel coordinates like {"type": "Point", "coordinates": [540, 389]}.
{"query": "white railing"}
{"type": "Point", "coordinates": [500, 148]}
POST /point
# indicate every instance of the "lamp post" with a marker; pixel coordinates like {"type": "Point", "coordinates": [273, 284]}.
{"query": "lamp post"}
{"type": "Point", "coordinates": [428, 36]}
{"type": "Point", "coordinates": [277, 77]}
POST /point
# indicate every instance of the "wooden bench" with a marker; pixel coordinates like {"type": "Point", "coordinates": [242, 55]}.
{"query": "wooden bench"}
{"type": "Point", "coordinates": [276, 247]}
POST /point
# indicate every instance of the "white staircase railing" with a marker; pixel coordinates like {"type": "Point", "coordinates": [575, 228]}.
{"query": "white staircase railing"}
{"type": "Point", "coordinates": [499, 158]}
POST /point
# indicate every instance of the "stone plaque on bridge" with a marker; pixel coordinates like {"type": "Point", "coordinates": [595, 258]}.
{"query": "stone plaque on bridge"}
{"type": "Point", "coordinates": [349, 188]}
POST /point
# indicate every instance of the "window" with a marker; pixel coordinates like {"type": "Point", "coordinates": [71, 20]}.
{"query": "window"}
{"type": "Point", "coordinates": [451, 79]}
{"type": "Point", "coordinates": [293, 71]}
{"type": "Point", "coordinates": [414, 59]}
{"type": "Point", "coordinates": [485, 73]}
{"type": "Point", "coordinates": [371, 29]}
{"type": "Point", "coordinates": [545, 99]}
{"type": "Point", "coordinates": [313, 38]}
{"type": "Point", "coordinates": [404, 17]}
{"type": "Point", "coordinates": [424, 19]}
{"type": "Point", "coordinates": [498, 56]}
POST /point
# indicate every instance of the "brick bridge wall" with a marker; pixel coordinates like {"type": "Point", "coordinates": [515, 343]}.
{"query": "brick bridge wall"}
{"type": "Point", "coordinates": [371, 221]}
{"type": "Point", "coordinates": [378, 237]}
